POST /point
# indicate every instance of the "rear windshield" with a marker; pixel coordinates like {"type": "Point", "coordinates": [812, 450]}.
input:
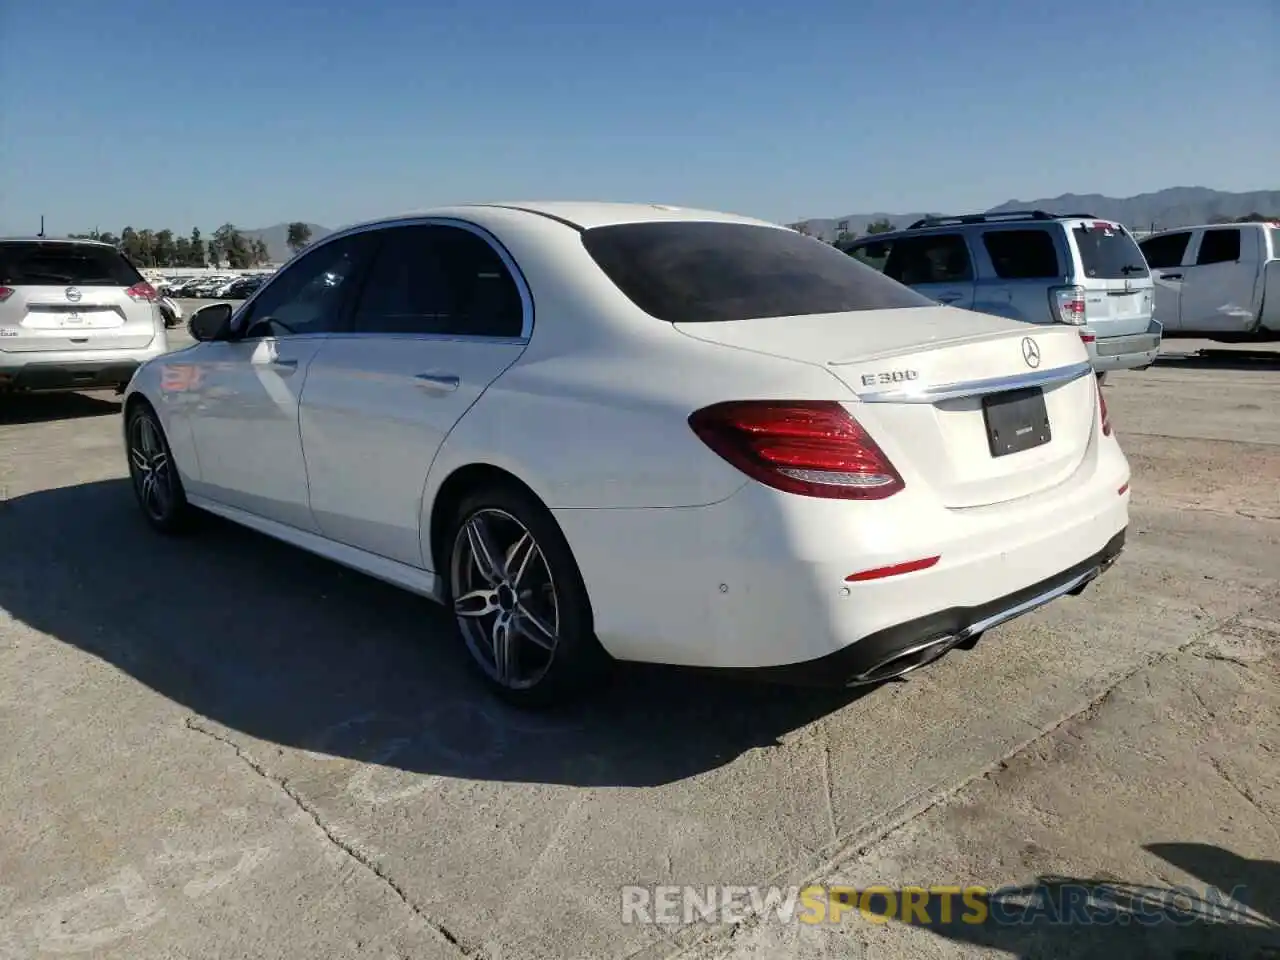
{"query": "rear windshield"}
{"type": "Point", "coordinates": [695, 272]}
{"type": "Point", "coordinates": [1107, 252]}
{"type": "Point", "coordinates": [57, 264]}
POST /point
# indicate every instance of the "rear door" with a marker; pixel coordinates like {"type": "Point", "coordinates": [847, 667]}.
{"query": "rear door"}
{"type": "Point", "coordinates": [1164, 255]}
{"type": "Point", "coordinates": [57, 295]}
{"type": "Point", "coordinates": [937, 265]}
{"type": "Point", "coordinates": [1025, 263]}
{"type": "Point", "coordinates": [441, 317]}
{"type": "Point", "coordinates": [1218, 293]}
{"type": "Point", "coordinates": [1109, 267]}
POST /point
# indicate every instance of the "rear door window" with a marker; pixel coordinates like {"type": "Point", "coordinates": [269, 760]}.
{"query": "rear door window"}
{"type": "Point", "coordinates": [1107, 252]}
{"type": "Point", "coordinates": [1165, 251]}
{"type": "Point", "coordinates": [692, 272]}
{"type": "Point", "coordinates": [1219, 246]}
{"type": "Point", "coordinates": [932, 258]}
{"type": "Point", "coordinates": [35, 263]}
{"type": "Point", "coordinates": [1022, 254]}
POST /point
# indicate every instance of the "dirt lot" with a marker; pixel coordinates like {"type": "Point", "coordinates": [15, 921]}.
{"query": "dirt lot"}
{"type": "Point", "coordinates": [224, 747]}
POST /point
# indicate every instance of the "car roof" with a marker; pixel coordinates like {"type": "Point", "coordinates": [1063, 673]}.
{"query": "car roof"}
{"type": "Point", "coordinates": [580, 214]}
{"type": "Point", "coordinates": [70, 240]}
{"type": "Point", "coordinates": [1011, 218]}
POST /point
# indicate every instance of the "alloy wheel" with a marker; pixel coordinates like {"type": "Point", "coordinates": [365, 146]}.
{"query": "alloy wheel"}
{"type": "Point", "coordinates": [504, 598]}
{"type": "Point", "coordinates": [150, 467]}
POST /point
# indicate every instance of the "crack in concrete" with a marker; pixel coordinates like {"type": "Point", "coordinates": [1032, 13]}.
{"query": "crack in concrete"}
{"type": "Point", "coordinates": [1238, 787]}
{"type": "Point", "coordinates": [346, 847]}
{"type": "Point", "coordinates": [826, 785]}
{"type": "Point", "coordinates": [911, 809]}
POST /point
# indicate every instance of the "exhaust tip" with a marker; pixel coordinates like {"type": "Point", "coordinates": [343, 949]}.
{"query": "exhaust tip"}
{"type": "Point", "coordinates": [905, 661]}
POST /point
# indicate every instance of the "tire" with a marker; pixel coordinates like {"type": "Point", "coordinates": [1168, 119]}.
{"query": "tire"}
{"type": "Point", "coordinates": [548, 591]}
{"type": "Point", "coordinates": [155, 481]}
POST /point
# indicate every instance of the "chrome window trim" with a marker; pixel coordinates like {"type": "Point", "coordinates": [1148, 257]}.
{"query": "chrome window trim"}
{"type": "Point", "coordinates": [522, 285]}
{"type": "Point", "coordinates": [980, 388]}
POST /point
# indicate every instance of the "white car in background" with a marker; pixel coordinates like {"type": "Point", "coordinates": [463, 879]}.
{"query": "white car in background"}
{"type": "Point", "coordinates": [74, 315]}
{"type": "Point", "coordinates": [637, 432]}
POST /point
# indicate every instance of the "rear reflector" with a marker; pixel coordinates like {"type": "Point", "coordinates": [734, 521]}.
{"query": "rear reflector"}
{"type": "Point", "coordinates": [1088, 337]}
{"type": "Point", "coordinates": [143, 291]}
{"type": "Point", "coordinates": [1123, 490]}
{"type": "Point", "coordinates": [893, 570]}
{"type": "Point", "coordinates": [809, 447]}
{"type": "Point", "coordinates": [5, 293]}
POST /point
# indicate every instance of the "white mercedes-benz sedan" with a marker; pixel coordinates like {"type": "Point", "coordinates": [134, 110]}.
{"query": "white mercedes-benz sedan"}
{"type": "Point", "coordinates": [634, 432]}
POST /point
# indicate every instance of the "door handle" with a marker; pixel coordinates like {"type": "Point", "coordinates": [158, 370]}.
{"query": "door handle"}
{"type": "Point", "coordinates": [446, 383]}
{"type": "Point", "coordinates": [1170, 276]}
{"type": "Point", "coordinates": [949, 298]}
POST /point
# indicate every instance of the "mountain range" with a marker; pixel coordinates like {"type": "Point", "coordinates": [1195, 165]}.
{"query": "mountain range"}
{"type": "Point", "coordinates": [1174, 207]}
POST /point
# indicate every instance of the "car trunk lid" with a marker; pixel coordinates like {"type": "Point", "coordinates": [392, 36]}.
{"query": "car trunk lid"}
{"type": "Point", "coordinates": [932, 384]}
{"type": "Point", "coordinates": [1118, 291]}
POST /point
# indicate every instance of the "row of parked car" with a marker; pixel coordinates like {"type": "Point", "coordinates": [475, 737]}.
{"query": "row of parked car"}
{"type": "Point", "coordinates": [228, 287]}
{"type": "Point", "coordinates": [1215, 281]}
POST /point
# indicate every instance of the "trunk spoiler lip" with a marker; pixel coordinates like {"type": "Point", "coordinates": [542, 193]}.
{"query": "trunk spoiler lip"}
{"type": "Point", "coordinates": [979, 388]}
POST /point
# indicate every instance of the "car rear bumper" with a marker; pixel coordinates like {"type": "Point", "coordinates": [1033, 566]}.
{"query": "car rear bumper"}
{"type": "Point", "coordinates": [1133, 351]}
{"type": "Point", "coordinates": [762, 580]}
{"type": "Point", "coordinates": [82, 370]}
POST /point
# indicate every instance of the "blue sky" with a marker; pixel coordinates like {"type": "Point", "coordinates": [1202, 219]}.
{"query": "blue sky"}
{"type": "Point", "coordinates": [175, 113]}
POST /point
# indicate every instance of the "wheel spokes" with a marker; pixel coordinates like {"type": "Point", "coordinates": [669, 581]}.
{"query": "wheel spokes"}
{"type": "Point", "coordinates": [516, 562]}
{"type": "Point", "coordinates": [477, 603]}
{"type": "Point", "coordinates": [505, 661]}
{"type": "Point", "coordinates": [533, 629]}
{"type": "Point", "coordinates": [483, 554]}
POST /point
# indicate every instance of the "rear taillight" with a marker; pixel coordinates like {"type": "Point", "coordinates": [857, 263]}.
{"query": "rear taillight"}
{"type": "Point", "coordinates": [810, 447]}
{"type": "Point", "coordinates": [143, 291]}
{"type": "Point", "coordinates": [5, 293]}
{"type": "Point", "coordinates": [1067, 304]}
{"type": "Point", "coordinates": [1102, 410]}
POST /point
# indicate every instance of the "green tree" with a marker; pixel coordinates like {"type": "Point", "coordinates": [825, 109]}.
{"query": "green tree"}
{"type": "Point", "coordinates": [259, 252]}
{"type": "Point", "coordinates": [147, 247]}
{"type": "Point", "coordinates": [233, 246]}
{"type": "Point", "coordinates": [129, 244]}
{"type": "Point", "coordinates": [880, 226]}
{"type": "Point", "coordinates": [163, 250]}
{"type": "Point", "coordinates": [298, 235]}
{"type": "Point", "coordinates": [196, 256]}
{"type": "Point", "coordinates": [181, 252]}
{"type": "Point", "coordinates": [107, 237]}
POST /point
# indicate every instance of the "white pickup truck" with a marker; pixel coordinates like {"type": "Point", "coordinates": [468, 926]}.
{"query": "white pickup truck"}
{"type": "Point", "coordinates": [1221, 282]}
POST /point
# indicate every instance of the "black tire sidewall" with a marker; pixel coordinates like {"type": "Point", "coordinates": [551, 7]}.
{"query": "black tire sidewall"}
{"type": "Point", "coordinates": [579, 659]}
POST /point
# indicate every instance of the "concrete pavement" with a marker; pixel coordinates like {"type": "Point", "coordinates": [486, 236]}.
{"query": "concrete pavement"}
{"type": "Point", "coordinates": [222, 746]}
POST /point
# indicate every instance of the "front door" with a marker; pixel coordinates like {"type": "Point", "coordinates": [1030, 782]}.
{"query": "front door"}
{"type": "Point", "coordinates": [441, 316]}
{"type": "Point", "coordinates": [244, 420]}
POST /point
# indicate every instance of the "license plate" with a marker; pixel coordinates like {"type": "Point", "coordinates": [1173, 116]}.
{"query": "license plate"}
{"type": "Point", "coordinates": [1017, 420]}
{"type": "Point", "coordinates": [72, 320]}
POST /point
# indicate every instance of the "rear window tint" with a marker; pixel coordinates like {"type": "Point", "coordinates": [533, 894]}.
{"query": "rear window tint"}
{"type": "Point", "coordinates": [1107, 252]}
{"type": "Point", "coordinates": [691, 272]}
{"type": "Point", "coordinates": [64, 264]}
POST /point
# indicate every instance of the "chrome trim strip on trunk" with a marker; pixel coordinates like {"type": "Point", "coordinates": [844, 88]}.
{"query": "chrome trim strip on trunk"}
{"type": "Point", "coordinates": [1026, 606]}
{"type": "Point", "coordinates": [979, 388]}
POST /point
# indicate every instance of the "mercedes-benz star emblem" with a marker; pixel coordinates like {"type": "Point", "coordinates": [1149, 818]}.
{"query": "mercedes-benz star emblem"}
{"type": "Point", "coordinates": [73, 294]}
{"type": "Point", "coordinates": [1030, 352]}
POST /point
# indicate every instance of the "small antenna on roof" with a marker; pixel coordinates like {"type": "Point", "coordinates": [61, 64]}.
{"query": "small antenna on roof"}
{"type": "Point", "coordinates": [41, 225]}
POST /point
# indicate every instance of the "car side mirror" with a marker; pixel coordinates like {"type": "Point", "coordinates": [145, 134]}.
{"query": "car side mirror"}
{"type": "Point", "coordinates": [211, 323]}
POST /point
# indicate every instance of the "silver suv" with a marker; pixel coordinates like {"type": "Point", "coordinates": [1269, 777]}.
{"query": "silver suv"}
{"type": "Point", "coordinates": [1035, 267]}
{"type": "Point", "coordinates": [74, 315]}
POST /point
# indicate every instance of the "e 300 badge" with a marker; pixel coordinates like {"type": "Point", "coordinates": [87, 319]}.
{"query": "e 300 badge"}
{"type": "Point", "coordinates": [889, 376]}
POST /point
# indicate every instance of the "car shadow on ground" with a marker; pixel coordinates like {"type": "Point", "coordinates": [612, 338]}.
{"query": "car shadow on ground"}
{"type": "Point", "coordinates": [46, 407]}
{"type": "Point", "coordinates": [270, 641]}
{"type": "Point", "coordinates": [1230, 911]}
{"type": "Point", "coordinates": [1213, 359]}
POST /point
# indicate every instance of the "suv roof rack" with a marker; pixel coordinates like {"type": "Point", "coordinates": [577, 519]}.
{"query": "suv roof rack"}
{"type": "Point", "coordinates": [1013, 215]}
